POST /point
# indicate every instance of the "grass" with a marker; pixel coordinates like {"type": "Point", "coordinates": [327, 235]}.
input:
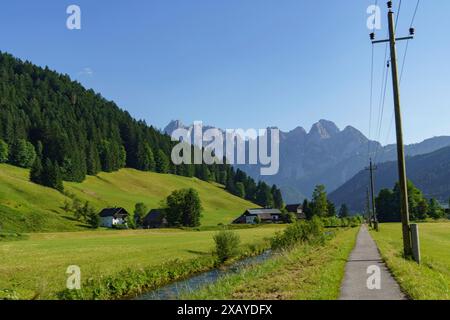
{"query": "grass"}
{"type": "Point", "coordinates": [431, 279]}
{"type": "Point", "coordinates": [37, 266]}
{"type": "Point", "coordinates": [27, 207]}
{"type": "Point", "coordinates": [304, 273]}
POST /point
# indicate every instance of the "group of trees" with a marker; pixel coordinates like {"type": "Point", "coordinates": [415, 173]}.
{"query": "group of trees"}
{"type": "Point", "coordinates": [66, 132]}
{"type": "Point", "coordinates": [20, 153]}
{"type": "Point", "coordinates": [320, 206]}
{"type": "Point", "coordinates": [83, 212]}
{"type": "Point", "coordinates": [388, 205]}
{"type": "Point", "coordinates": [244, 186]}
{"type": "Point", "coordinates": [183, 208]}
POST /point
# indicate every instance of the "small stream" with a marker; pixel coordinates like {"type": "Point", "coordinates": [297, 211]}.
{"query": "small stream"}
{"type": "Point", "coordinates": [175, 290]}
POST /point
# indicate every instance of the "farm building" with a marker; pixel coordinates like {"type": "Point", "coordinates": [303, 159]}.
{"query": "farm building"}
{"type": "Point", "coordinates": [265, 216]}
{"type": "Point", "coordinates": [155, 219]}
{"type": "Point", "coordinates": [296, 209]}
{"type": "Point", "coordinates": [111, 217]}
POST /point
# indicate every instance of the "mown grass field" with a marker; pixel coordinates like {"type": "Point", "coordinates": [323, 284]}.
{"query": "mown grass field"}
{"type": "Point", "coordinates": [38, 265]}
{"type": "Point", "coordinates": [431, 279]}
{"type": "Point", "coordinates": [305, 273]}
{"type": "Point", "coordinates": [27, 207]}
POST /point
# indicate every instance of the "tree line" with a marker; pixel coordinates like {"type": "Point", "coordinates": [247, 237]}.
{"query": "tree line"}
{"type": "Point", "coordinates": [64, 132]}
{"type": "Point", "coordinates": [388, 205]}
{"type": "Point", "coordinates": [320, 206]}
{"type": "Point", "coordinates": [244, 186]}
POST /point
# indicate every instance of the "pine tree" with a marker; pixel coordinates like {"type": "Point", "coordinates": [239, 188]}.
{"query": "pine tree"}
{"type": "Point", "coordinates": [343, 211]}
{"type": "Point", "coordinates": [319, 205]}
{"type": "Point", "coordinates": [93, 160]}
{"type": "Point", "coordinates": [264, 196]}
{"type": "Point", "coordinates": [162, 162]}
{"type": "Point", "coordinates": [4, 151]}
{"type": "Point", "coordinates": [36, 173]}
{"type": "Point", "coordinates": [331, 209]}
{"type": "Point", "coordinates": [240, 190]}
{"type": "Point", "coordinates": [277, 197]}
{"type": "Point", "coordinates": [146, 160]}
{"type": "Point", "coordinates": [51, 175]}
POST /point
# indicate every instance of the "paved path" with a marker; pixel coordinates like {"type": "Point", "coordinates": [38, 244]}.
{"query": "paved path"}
{"type": "Point", "coordinates": [354, 286]}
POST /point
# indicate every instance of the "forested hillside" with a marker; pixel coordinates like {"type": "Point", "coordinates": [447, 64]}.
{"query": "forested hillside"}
{"type": "Point", "coordinates": [62, 131]}
{"type": "Point", "coordinates": [429, 172]}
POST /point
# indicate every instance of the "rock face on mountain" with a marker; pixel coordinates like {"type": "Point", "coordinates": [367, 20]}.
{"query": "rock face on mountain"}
{"type": "Point", "coordinates": [429, 172]}
{"type": "Point", "coordinates": [326, 155]}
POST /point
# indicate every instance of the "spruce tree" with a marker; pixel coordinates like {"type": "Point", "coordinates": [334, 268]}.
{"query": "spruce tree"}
{"type": "Point", "coordinates": [36, 173]}
{"type": "Point", "coordinates": [162, 162]}
{"type": "Point", "coordinates": [4, 151]}
{"type": "Point", "coordinates": [277, 197]}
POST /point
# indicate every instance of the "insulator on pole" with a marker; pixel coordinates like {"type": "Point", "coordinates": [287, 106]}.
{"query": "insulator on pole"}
{"type": "Point", "coordinates": [389, 4]}
{"type": "Point", "coordinates": [372, 36]}
{"type": "Point", "coordinates": [412, 31]}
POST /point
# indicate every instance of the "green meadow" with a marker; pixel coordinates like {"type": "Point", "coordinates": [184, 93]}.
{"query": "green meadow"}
{"type": "Point", "coordinates": [27, 207]}
{"type": "Point", "coordinates": [37, 266]}
{"type": "Point", "coordinates": [431, 279]}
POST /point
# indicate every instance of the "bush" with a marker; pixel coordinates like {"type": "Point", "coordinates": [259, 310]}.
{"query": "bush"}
{"type": "Point", "coordinates": [227, 243]}
{"type": "Point", "coordinates": [300, 232]}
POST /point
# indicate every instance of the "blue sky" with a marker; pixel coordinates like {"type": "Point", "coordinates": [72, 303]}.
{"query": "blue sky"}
{"type": "Point", "coordinates": [240, 63]}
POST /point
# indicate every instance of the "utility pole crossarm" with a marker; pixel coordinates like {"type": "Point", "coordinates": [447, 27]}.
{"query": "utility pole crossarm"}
{"type": "Point", "coordinates": [388, 40]}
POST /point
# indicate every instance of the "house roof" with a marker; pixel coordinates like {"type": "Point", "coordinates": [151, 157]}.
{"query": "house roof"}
{"type": "Point", "coordinates": [262, 212]}
{"type": "Point", "coordinates": [293, 207]}
{"type": "Point", "coordinates": [113, 212]}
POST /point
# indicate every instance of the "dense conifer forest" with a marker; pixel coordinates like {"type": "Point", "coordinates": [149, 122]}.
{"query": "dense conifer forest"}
{"type": "Point", "coordinates": [62, 131]}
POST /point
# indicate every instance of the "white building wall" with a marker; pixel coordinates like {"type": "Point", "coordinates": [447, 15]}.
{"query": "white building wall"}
{"type": "Point", "coordinates": [107, 222]}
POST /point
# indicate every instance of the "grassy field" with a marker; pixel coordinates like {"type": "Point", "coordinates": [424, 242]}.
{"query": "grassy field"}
{"type": "Point", "coordinates": [430, 280]}
{"type": "Point", "coordinates": [38, 265]}
{"type": "Point", "coordinates": [27, 207]}
{"type": "Point", "coordinates": [305, 273]}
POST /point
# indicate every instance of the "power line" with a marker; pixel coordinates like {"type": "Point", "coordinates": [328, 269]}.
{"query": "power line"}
{"type": "Point", "coordinates": [371, 92]}
{"type": "Point", "coordinates": [382, 104]}
{"type": "Point", "coordinates": [403, 64]}
{"type": "Point", "coordinates": [398, 13]}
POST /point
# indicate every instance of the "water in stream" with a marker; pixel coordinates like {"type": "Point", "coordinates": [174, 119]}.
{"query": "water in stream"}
{"type": "Point", "coordinates": [175, 290]}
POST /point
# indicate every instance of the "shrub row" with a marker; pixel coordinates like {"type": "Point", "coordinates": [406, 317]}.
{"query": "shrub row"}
{"type": "Point", "coordinates": [300, 232]}
{"type": "Point", "coordinates": [334, 222]}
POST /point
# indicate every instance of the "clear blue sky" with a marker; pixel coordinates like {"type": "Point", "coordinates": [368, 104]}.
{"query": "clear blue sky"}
{"type": "Point", "coordinates": [239, 63]}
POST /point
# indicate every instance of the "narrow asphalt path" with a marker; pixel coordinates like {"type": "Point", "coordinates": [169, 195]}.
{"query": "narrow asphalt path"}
{"type": "Point", "coordinates": [365, 264]}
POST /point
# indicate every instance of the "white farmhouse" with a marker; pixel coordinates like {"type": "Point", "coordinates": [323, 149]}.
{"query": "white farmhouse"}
{"type": "Point", "coordinates": [112, 217]}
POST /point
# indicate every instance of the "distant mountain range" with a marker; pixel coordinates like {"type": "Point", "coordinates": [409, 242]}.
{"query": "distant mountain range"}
{"type": "Point", "coordinates": [429, 172]}
{"type": "Point", "coordinates": [324, 155]}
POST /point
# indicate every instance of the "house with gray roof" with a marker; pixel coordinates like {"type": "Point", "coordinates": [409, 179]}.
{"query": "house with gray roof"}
{"type": "Point", "coordinates": [265, 216]}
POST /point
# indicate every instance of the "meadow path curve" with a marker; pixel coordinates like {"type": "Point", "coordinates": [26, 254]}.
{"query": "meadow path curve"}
{"type": "Point", "coordinates": [366, 258]}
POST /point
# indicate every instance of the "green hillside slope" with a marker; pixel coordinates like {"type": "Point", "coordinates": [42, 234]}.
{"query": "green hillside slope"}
{"type": "Point", "coordinates": [27, 207]}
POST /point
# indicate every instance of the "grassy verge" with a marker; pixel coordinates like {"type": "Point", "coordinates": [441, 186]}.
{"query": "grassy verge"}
{"type": "Point", "coordinates": [306, 272]}
{"type": "Point", "coordinates": [431, 279]}
{"type": "Point", "coordinates": [37, 267]}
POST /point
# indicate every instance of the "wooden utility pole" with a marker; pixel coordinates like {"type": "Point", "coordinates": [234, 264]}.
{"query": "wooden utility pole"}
{"type": "Point", "coordinates": [400, 147]}
{"type": "Point", "coordinates": [372, 168]}
{"type": "Point", "coordinates": [369, 216]}
{"type": "Point", "coordinates": [399, 130]}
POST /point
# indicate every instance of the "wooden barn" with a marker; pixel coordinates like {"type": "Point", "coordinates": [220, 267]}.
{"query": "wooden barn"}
{"type": "Point", "coordinates": [156, 218]}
